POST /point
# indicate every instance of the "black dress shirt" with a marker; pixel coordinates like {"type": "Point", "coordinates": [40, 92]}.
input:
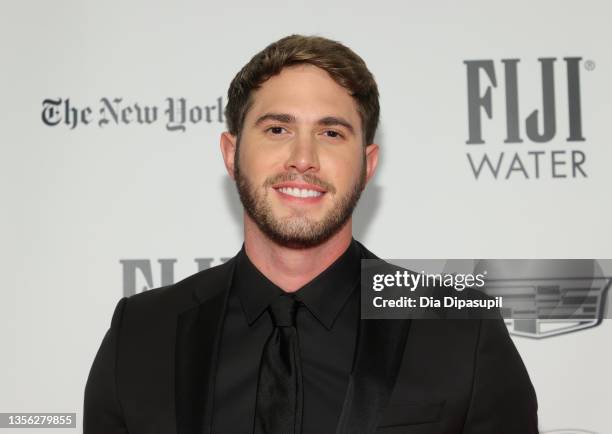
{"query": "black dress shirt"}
{"type": "Point", "coordinates": [326, 322]}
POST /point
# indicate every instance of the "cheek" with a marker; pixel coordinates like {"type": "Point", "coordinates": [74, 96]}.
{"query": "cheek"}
{"type": "Point", "coordinates": [343, 169]}
{"type": "Point", "coordinates": [260, 163]}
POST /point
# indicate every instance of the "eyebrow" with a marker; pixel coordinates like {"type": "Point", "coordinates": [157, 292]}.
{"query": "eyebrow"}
{"type": "Point", "coordinates": [284, 118]}
{"type": "Point", "coordinates": [287, 118]}
{"type": "Point", "coordinates": [330, 121]}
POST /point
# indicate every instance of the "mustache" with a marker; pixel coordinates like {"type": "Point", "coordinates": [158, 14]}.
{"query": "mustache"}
{"type": "Point", "coordinates": [310, 179]}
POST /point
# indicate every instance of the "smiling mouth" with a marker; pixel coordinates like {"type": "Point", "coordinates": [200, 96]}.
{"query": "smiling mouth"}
{"type": "Point", "coordinates": [300, 192]}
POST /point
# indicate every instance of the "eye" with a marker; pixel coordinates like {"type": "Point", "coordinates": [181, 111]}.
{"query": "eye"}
{"type": "Point", "coordinates": [276, 131]}
{"type": "Point", "coordinates": [332, 134]}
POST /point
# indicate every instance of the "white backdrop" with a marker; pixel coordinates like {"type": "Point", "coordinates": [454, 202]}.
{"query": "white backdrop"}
{"type": "Point", "coordinates": [77, 201]}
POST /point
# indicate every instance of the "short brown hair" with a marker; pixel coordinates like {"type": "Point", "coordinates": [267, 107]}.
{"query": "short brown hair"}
{"type": "Point", "coordinates": [343, 65]}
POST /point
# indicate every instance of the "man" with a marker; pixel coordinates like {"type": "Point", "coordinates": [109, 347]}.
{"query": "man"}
{"type": "Point", "coordinates": [272, 340]}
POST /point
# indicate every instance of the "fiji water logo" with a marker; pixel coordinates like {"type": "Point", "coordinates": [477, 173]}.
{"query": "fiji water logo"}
{"type": "Point", "coordinates": [547, 142]}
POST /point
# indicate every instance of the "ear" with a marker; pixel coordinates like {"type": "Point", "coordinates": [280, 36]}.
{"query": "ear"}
{"type": "Point", "coordinates": [371, 160]}
{"type": "Point", "coordinates": [228, 149]}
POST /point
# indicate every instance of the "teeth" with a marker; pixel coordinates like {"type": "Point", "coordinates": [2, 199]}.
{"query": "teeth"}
{"type": "Point", "coordinates": [300, 192]}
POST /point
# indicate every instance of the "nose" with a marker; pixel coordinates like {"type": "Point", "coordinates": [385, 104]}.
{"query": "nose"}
{"type": "Point", "coordinates": [303, 156]}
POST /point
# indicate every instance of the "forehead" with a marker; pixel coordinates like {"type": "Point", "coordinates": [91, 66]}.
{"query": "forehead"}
{"type": "Point", "coordinates": [305, 91]}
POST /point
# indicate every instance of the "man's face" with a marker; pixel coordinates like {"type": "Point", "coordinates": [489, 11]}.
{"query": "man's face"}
{"type": "Point", "coordinates": [301, 166]}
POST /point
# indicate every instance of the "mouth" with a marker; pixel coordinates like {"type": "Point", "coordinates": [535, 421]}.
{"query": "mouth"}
{"type": "Point", "coordinates": [302, 192]}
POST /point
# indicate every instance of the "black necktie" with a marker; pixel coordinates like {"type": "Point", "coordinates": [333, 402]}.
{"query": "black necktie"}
{"type": "Point", "coordinates": [278, 409]}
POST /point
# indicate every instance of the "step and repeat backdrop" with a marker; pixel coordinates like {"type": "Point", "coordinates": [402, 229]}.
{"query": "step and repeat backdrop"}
{"type": "Point", "coordinates": [495, 143]}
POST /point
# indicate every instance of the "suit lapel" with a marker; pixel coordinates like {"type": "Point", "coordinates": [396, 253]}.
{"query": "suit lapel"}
{"type": "Point", "coordinates": [378, 356]}
{"type": "Point", "coordinates": [197, 346]}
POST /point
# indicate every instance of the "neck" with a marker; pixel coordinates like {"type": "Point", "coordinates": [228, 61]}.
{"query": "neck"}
{"type": "Point", "coordinates": [290, 268]}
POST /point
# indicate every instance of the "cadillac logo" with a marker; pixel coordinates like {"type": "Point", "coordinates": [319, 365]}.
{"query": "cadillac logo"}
{"type": "Point", "coordinates": [544, 298]}
{"type": "Point", "coordinates": [548, 307]}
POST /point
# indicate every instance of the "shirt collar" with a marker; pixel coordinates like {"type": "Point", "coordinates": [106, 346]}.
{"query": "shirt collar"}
{"type": "Point", "coordinates": [324, 296]}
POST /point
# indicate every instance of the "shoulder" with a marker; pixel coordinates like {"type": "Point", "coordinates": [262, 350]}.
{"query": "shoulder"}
{"type": "Point", "coordinates": [365, 253]}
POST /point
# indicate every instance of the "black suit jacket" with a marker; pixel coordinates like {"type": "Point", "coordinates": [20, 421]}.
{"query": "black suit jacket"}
{"type": "Point", "coordinates": [154, 370]}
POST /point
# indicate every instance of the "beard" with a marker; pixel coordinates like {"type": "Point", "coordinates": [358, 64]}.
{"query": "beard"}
{"type": "Point", "coordinates": [296, 231]}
